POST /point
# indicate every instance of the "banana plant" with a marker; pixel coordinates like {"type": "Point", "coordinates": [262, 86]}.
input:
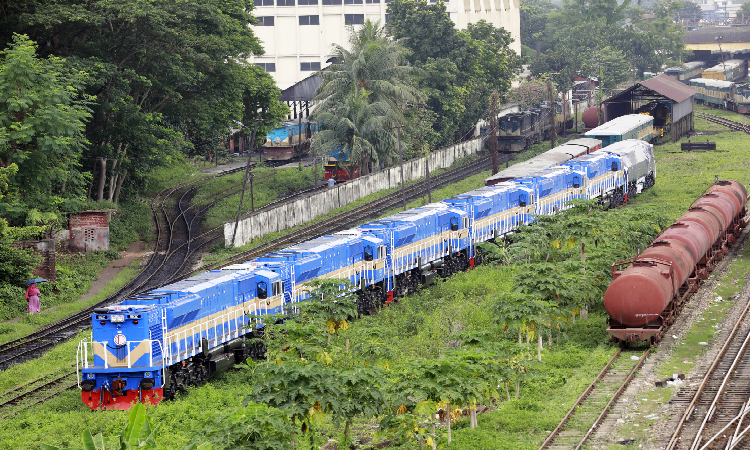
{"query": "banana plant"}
{"type": "Point", "coordinates": [138, 434]}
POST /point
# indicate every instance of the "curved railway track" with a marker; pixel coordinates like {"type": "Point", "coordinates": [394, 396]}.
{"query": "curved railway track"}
{"type": "Point", "coordinates": [177, 245]}
{"type": "Point", "coordinates": [731, 124]}
{"type": "Point", "coordinates": [168, 230]}
{"type": "Point", "coordinates": [35, 392]}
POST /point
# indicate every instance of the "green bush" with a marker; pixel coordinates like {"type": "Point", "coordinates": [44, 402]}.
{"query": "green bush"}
{"type": "Point", "coordinates": [133, 223]}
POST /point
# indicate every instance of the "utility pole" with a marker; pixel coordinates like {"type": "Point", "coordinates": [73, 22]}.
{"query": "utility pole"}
{"type": "Point", "coordinates": [401, 158]}
{"type": "Point", "coordinates": [553, 112]}
{"type": "Point", "coordinates": [244, 181]}
{"type": "Point", "coordinates": [493, 133]}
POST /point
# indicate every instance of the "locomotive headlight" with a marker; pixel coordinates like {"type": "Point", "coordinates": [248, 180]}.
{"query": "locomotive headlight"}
{"type": "Point", "coordinates": [90, 376]}
{"type": "Point", "coordinates": [117, 318]}
{"type": "Point", "coordinates": [146, 374]}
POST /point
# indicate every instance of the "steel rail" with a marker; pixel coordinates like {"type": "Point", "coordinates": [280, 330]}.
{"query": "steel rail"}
{"type": "Point", "coordinates": [614, 398]}
{"type": "Point", "coordinates": [707, 377]}
{"type": "Point", "coordinates": [580, 400]}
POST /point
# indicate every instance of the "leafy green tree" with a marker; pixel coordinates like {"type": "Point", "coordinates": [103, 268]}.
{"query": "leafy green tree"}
{"type": "Point", "coordinates": [362, 97]}
{"type": "Point", "coordinates": [450, 380]}
{"type": "Point", "coordinates": [359, 131]}
{"type": "Point", "coordinates": [534, 15]}
{"type": "Point", "coordinates": [174, 81]}
{"type": "Point", "coordinates": [42, 116]}
{"type": "Point", "coordinates": [253, 427]}
{"type": "Point", "coordinates": [460, 68]}
{"type": "Point", "coordinates": [16, 264]}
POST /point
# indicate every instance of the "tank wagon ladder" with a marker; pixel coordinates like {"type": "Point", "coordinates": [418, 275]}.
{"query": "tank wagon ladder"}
{"type": "Point", "coordinates": [607, 387]}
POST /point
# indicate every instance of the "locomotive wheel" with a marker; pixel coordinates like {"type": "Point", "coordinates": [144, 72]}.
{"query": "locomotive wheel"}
{"type": "Point", "coordinates": [632, 190]}
{"type": "Point", "coordinates": [478, 256]}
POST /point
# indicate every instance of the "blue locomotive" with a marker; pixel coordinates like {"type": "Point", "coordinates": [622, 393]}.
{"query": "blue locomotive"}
{"type": "Point", "coordinates": [147, 347]}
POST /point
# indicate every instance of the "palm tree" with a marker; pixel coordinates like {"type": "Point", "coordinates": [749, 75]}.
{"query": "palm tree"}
{"type": "Point", "coordinates": [368, 86]}
{"type": "Point", "coordinates": [355, 131]}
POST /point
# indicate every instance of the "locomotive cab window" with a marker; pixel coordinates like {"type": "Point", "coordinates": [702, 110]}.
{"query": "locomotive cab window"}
{"type": "Point", "coordinates": [465, 223]}
{"type": "Point", "coordinates": [381, 252]}
{"type": "Point", "coordinates": [614, 166]}
{"type": "Point", "coordinates": [262, 289]}
{"type": "Point", "coordinates": [368, 253]}
{"type": "Point", "coordinates": [454, 224]}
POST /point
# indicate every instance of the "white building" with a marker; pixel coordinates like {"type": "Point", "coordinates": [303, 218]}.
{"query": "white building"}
{"type": "Point", "coordinates": [297, 34]}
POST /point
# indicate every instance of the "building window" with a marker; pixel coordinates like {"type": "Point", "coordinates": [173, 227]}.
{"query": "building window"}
{"type": "Point", "coordinates": [268, 67]}
{"type": "Point", "coordinates": [309, 20]}
{"type": "Point", "coordinates": [331, 2]}
{"type": "Point", "coordinates": [309, 66]}
{"type": "Point", "coordinates": [354, 19]}
{"type": "Point", "coordinates": [263, 2]}
{"type": "Point", "coordinates": [265, 21]}
{"type": "Point", "coordinates": [352, 2]}
{"type": "Point", "coordinates": [307, 2]}
{"type": "Point", "coordinates": [386, 18]}
{"type": "Point", "coordinates": [372, 1]}
{"type": "Point", "coordinates": [284, 2]}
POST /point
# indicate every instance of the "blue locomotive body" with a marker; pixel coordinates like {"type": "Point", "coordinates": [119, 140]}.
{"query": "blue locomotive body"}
{"type": "Point", "coordinates": [146, 347]}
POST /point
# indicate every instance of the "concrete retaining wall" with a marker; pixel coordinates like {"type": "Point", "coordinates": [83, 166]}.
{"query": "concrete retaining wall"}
{"type": "Point", "coordinates": [303, 210]}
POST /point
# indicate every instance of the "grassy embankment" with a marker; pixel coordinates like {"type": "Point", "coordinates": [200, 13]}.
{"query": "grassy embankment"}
{"type": "Point", "coordinates": [417, 323]}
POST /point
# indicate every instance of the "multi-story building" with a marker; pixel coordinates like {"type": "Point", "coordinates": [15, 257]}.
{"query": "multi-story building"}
{"type": "Point", "coordinates": [297, 34]}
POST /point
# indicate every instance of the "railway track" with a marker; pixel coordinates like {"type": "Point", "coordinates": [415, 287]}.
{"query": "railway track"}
{"type": "Point", "coordinates": [591, 408]}
{"type": "Point", "coordinates": [35, 392]}
{"type": "Point", "coordinates": [352, 218]}
{"type": "Point", "coordinates": [168, 228]}
{"type": "Point", "coordinates": [176, 244]}
{"type": "Point", "coordinates": [716, 412]}
{"type": "Point", "coordinates": [731, 124]}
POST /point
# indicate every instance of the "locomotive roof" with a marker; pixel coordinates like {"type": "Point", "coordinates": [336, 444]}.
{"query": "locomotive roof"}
{"type": "Point", "coordinates": [617, 125]}
{"type": "Point", "coordinates": [540, 162]}
{"type": "Point", "coordinates": [731, 64]}
{"type": "Point", "coordinates": [713, 83]}
{"type": "Point", "coordinates": [689, 65]}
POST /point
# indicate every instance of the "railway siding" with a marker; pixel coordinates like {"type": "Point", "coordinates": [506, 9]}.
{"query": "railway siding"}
{"type": "Point", "coordinates": [292, 214]}
{"type": "Point", "coordinates": [649, 414]}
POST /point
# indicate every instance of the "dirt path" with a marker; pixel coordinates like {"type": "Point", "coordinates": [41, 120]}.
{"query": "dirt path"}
{"type": "Point", "coordinates": [136, 251]}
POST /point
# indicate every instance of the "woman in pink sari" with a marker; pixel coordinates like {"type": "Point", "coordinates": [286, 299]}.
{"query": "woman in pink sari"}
{"type": "Point", "coordinates": [32, 295]}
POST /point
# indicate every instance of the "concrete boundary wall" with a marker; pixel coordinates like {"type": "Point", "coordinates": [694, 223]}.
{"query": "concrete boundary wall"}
{"type": "Point", "coordinates": [298, 212]}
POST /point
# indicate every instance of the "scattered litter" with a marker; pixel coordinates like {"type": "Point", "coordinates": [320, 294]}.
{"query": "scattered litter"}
{"type": "Point", "coordinates": [651, 417]}
{"type": "Point", "coordinates": [718, 299]}
{"type": "Point", "coordinates": [620, 420]}
{"type": "Point", "coordinates": [674, 380]}
{"type": "Point", "coordinates": [629, 441]}
{"type": "Point", "coordinates": [644, 399]}
{"type": "Point", "coordinates": [674, 337]}
{"type": "Point", "coordinates": [635, 358]}
{"type": "Point", "coordinates": [702, 343]}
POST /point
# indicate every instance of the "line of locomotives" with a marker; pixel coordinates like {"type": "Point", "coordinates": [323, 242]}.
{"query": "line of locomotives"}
{"type": "Point", "coordinates": [649, 290]}
{"type": "Point", "coordinates": [721, 86]}
{"type": "Point", "coordinates": [147, 347]}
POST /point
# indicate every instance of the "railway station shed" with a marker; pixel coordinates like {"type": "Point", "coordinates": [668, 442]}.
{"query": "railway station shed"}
{"type": "Point", "coordinates": [669, 101]}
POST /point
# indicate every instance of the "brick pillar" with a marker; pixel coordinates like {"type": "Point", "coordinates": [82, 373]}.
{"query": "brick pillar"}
{"type": "Point", "coordinates": [46, 248]}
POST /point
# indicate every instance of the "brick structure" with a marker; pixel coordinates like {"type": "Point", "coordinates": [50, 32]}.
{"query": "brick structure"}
{"type": "Point", "coordinates": [46, 248]}
{"type": "Point", "coordinates": [89, 230]}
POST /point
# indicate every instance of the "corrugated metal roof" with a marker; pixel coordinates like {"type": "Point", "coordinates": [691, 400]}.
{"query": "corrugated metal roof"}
{"type": "Point", "coordinates": [669, 87]}
{"type": "Point", "coordinates": [302, 91]}
{"type": "Point", "coordinates": [707, 35]}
